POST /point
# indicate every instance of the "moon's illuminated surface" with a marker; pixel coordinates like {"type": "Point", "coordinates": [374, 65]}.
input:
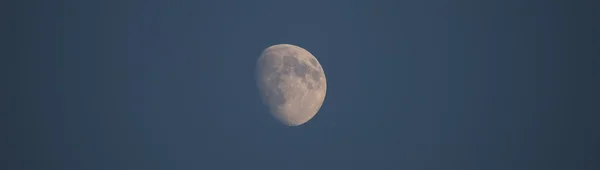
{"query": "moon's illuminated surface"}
{"type": "Point", "coordinates": [291, 82]}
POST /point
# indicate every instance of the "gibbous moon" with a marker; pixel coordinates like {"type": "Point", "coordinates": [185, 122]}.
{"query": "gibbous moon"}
{"type": "Point", "coordinates": [291, 82]}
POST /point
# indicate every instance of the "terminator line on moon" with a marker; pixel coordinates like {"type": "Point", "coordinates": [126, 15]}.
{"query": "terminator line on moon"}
{"type": "Point", "coordinates": [291, 82]}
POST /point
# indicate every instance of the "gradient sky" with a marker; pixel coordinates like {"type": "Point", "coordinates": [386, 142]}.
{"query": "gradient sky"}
{"type": "Point", "coordinates": [412, 85]}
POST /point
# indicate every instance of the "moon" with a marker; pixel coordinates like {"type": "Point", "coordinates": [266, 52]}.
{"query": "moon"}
{"type": "Point", "coordinates": [291, 82]}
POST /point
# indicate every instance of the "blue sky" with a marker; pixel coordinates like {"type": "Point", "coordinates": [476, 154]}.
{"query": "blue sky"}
{"type": "Point", "coordinates": [479, 85]}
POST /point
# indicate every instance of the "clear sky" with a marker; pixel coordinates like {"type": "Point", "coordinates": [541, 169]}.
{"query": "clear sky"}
{"type": "Point", "coordinates": [412, 85]}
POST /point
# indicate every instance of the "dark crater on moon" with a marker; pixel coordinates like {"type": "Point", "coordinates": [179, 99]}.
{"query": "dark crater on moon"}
{"type": "Point", "coordinates": [301, 69]}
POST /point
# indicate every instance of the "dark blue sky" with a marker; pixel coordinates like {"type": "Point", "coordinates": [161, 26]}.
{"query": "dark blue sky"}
{"type": "Point", "coordinates": [153, 85]}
